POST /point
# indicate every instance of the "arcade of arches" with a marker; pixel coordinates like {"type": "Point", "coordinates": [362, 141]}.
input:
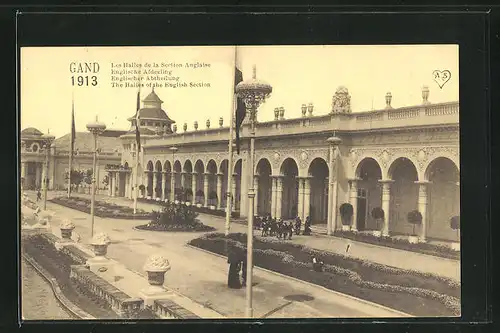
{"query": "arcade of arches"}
{"type": "Point", "coordinates": [287, 195]}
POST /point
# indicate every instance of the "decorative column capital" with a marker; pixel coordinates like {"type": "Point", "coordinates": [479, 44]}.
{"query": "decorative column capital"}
{"type": "Point", "coordinates": [220, 174]}
{"type": "Point", "coordinates": [387, 182]}
{"type": "Point", "coordinates": [423, 182]}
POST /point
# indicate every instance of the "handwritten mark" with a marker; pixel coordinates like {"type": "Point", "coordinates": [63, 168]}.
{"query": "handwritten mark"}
{"type": "Point", "coordinates": [441, 77]}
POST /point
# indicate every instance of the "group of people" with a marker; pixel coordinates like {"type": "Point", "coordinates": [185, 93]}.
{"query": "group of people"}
{"type": "Point", "coordinates": [272, 226]}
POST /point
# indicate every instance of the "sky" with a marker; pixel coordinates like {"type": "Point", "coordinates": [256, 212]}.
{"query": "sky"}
{"type": "Point", "coordinates": [298, 74]}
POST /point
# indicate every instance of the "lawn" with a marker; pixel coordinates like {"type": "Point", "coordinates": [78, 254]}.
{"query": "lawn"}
{"type": "Point", "coordinates": [102, 209]}
{"type": "Point", "coordinates": [415, 293]}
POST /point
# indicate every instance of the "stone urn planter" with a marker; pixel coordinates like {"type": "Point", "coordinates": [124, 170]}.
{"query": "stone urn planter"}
{"type": "Point", "coordinates": [212, 207]}
{"type": "Point", "coordinates": [413, 239]}
{"type": "Point", "coordinates": [188, 203]}
{"type": "Point", "coordinates": [156, 266]}
{"type": "Point", "coordinates": [377, 233]}
{"type": "Point", "coordinates": [198, 205]}
{"type": "Point", "coordinates": [100, 244]}
{"type": "Point", "coordinates": [66, 228]}
{"type": "Point", "coordinates": [176, 202]}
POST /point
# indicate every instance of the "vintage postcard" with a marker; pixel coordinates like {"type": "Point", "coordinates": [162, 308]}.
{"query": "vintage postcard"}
{"type": "Point", "coordinates": [223, 182]}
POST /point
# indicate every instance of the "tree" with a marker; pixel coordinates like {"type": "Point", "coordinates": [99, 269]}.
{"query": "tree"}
{"type": "Point", "coordinates": [76, 177]}
{"type": "Point", "coordinates": [455, 224]}
{"type": "Point", "coordinates": [415, 218]}
{"type": "Point", "coordinates": [378, 215]}
{"type": "Point", "coordinates": [346, 212]}
{"type": "Point", "coordinates": [105, 181]}
{"type": "Point", "coordinates": [87, 177]}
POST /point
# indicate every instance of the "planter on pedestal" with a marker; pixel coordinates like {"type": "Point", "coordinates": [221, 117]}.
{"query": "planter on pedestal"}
{"type": "Point", "coordinates": [346, 212]}
{"type": "Point", "coordinates": [378, 215]}
{"type": "Point", "coordinates": [156, 266]}
{"type": "Point", "coordinates": [66, 228]}
{"type": "Point", "coordinates": [455, 225]}
{"type": "Point", "coordinates": [415, 218]}
{"type": "Point", "coordinates": [100, 244]}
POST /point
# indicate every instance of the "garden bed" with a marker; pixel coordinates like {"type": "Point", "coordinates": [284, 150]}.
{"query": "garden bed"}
{"type": "Point", "coordinates": [402, 244]}
{"type": "Point", "coordinates": [203, 210]}
{"type": "Point", "coordinates": [102, 209]}
{"type": "Point", "coordinates": [415, 293]}
{"type": "Point", "coordinates": [175, 218]}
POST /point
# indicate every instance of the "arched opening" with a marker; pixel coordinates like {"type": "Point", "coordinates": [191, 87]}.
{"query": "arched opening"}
{"type": "Point", "coordinates": [369, 193]}
{"type": "Point", "coordinates": [149, 186]}
{"type": "Point", "coordinates": [199, 170]}
{"type": "Point", "coordinates": [224, 171]}
{"type": "Point", "coordinates": [318, 170]}
{"type": "Point", "coordinates": [264, 193]}
{"type": "Point", "coordinates": [159, 178]}
{"type": "Point", "coordinates": [404, 195]}
{"type": "Point", "coordinates": [188, 181]}
{"type": "Point", "coordinates": [177, 179]}
{"type": "Point", "coordinates": [290, 187]}
{"type": "Point", "coordinates": [212, 183]}
{"type": "Point", "coordinates": [237, 199]}
{"type": "Point", "coordinates": [167, 167]}
{"type": "Point", "coordinates": [443, 198]}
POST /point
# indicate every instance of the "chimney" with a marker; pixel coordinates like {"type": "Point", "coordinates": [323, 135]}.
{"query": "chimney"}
{"type": "Point", "coordinates": [388, 99]}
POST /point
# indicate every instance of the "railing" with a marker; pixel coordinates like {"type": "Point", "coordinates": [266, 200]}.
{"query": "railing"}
{"type": "Point", "coordinates": [121, 303]}
{"type": "Point", "coordinates": [168, 309]}
{"type": "Point", "coordinates": [420, 115]}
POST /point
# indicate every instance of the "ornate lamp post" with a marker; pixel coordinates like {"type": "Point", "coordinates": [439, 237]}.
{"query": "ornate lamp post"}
{"type": "Point", "coordinates": [96, 129]}
{"type": "Point", "coordinates": [48, 139]}
{"type": "Point", "coordinates": [254, 93]}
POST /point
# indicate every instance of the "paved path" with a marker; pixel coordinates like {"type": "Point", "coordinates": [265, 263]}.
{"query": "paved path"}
{"type": "Point", "coordinates": [383, 255]}
{"type": "Point", "coordinates": [202, 276]}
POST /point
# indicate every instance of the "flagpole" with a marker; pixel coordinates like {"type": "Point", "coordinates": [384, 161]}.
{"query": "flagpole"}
{"type": "Point", "coordinates": [137, 151]}
{"type": "Point", "coordinates": [229, 193]}
{"type": "Point", "coordinates": [71, 143]}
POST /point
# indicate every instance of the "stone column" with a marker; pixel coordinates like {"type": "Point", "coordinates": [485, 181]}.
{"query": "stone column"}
{"type": "Point", "coordinates": [113, 184]}
{"type": "Point", "coordinates": [172, 186]}
{"type": "Point", "coordinates": [163, 185]}
{"type": "Point", "coordinates": [386, 200]}
{"type": "Point", "coordinates": [274, 182]}
{"type": "Point", "coordinates": [233, 191]}
{"type": "Point", "coordinates": [220, 197]}
{"type": "Point", "coordinates": [205, 188]}
{"type": "Point", "coordinates": [279, 195]}
{"type": "Point", "coordinates": [353, 200]}
{"type": "Point", "coordinates": [194, 178]}
{"type": "Point", "coordinates": [155, 184]}
{"type": "Point", "coordinates": [117, 182]}
{"type": "Point", "coordinates": [256, 189]}
{"type": "Point", "coordinates": [422, 206]}
{"type": "Point", "coordinates": [38, 181]}
{"type": "Point", "coordinates": [307, 197]}
{"type": "Point", "coordinates": [110, 184]}
{"type": "Point", "coordinates": [300, 204]}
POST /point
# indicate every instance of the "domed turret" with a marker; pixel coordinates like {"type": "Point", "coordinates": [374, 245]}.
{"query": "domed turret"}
{"type": "Point", "coordinates": [152, 116]}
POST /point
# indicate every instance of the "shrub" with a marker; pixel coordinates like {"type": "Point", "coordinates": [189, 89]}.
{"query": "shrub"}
{"type": "Point", "coordinates": [455, 224]}
{"type": "Point", "coordinates": [346, 212]}
{"type": "Point", "coordinates": [415, 218]}
{"type": "Point", "coordinates": [378, 215]}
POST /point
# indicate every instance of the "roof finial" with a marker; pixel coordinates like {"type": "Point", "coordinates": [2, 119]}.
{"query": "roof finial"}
{"type": "Point", "coordinates": [254, 72]}
{"type": "Point", "coordinates": [96, 117]}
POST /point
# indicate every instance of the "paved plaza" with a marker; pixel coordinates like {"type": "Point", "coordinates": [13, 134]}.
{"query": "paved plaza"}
{"type": "Point", "coordinates": [202, 276]}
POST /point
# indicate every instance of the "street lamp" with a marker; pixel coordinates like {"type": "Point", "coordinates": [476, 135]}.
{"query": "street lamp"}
{"type": "Point", "coordinates": [48, 139]}
{"type": "Point", "coordinates": [253, 92]}
{"type": "Point", "coordinates": [172, 180]}
{"type": "Point", "coordinates": [96, 129]}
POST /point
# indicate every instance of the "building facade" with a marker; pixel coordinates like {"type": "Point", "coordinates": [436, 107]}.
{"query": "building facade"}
{"type": "Point", "coordinates": [398, 159]}
{"type": "Point", "coordinates": [34, 156]}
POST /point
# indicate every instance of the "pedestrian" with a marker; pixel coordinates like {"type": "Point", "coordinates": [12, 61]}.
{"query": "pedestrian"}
{"type": "Point", "coordinates": [234, 261]}
{"type": "Point", "coordinates": [298, 224]}
{"type": "Point", "coordinates": [307, 226]}
{"type": "Point", "coordinates": [243, 264]}
{"type": "Point", "coordinates": [290, 229]}
{"type": "Point", "coordinates": [38, 195]}
{"type": "Point", "coordinates": [317, 264]}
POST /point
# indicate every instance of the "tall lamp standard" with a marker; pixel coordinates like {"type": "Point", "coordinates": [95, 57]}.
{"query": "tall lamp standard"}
{"type": "Point", "coordinates": [96, 129]}
{"type": "Point", "coordinates": [173, 149]}
{"type": "Point", "coordinates": [253, 92]}
{"type": "Point", "coordinates": [48, 139]}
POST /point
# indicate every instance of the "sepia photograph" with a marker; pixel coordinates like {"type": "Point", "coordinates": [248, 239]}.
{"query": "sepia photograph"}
{"type": "Point", "coordinates": [239, 182]}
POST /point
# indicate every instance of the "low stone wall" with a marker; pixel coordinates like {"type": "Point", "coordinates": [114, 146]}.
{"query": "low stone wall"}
{"type": "Point", "coordinates": [167, 309]}
{"type": "Point", "coordinates": [121, 303]}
